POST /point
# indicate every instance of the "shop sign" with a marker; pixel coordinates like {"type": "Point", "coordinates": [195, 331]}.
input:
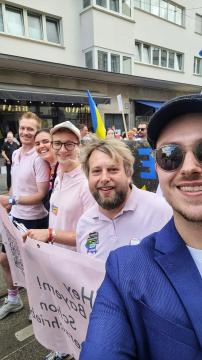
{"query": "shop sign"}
{"type": "Point", "coordinates": [77, 109]}
{"type": "Point", "coordinates": [13, 108]}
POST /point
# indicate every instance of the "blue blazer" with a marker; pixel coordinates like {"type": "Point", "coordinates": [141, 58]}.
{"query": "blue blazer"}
{"type": "Point", "coordinates": [149, 306]}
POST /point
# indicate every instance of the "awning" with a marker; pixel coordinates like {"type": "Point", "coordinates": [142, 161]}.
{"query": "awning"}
{"type": "Point", "coordinates": [42, 95]}
{"type": "Point", "coordinates": [154, 104]}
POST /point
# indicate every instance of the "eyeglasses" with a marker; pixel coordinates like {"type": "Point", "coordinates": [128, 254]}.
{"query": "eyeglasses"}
{"type": "Point", "coordinates": [141, 129]}
{"type": "Point", "coordinates": [69, 145]}
{"type": "Point", "coordinates": [170, 157]}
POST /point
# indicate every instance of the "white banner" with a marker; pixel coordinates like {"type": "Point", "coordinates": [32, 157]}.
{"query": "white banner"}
{"type": "Point", "coordinates": [120, 102]}
{"type": "Point", "coordinates": [61, 286]}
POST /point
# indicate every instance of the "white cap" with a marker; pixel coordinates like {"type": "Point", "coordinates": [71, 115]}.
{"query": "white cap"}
{"type": "Point", "coordinates": [66, 125]}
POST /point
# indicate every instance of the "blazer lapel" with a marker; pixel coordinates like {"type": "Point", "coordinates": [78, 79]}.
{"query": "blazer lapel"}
{"type": "Point", "coordinates": [175, 260]}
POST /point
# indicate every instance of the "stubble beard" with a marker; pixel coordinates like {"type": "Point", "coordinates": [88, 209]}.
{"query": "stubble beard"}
{"type": "Point", "coordinates": [186, 215]}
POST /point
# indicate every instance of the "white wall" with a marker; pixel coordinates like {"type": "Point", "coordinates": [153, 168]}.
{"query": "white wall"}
{"type": "Point", "coordinates": [156, 31]}
{"type": "Point", "coordinates": [69, 53]}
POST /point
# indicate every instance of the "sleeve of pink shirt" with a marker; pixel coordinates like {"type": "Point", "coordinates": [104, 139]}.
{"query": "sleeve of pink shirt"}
{"type": "Point", "coordinates": [42, 170]}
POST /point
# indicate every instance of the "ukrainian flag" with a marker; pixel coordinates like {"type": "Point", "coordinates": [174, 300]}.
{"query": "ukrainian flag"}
{"type": "Point", "coordinates": [97, 122]}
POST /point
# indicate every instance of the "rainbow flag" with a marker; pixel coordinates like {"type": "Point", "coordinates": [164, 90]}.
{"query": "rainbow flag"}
{"type": "Point", "coordinates": [98, 125]}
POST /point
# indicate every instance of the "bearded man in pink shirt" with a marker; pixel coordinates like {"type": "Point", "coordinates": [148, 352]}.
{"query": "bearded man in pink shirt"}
{"type": "Point", "coordinates": [122, 214]}
{"type": "Point", "coordinates": [30, 181]}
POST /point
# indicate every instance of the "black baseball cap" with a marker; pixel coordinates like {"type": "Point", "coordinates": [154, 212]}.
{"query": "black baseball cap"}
{"type": "Point", "coordinates": [170, 110]}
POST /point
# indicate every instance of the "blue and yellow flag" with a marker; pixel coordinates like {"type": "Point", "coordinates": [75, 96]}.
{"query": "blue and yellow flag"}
{"type": "Point", "coordinates": [98, 125]}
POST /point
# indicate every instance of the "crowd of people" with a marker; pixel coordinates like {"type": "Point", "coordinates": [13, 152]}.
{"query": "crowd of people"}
{"type": "Point", "coordinates": [135, 134]}
{"type": "Point", "coordinates": [75, 191]}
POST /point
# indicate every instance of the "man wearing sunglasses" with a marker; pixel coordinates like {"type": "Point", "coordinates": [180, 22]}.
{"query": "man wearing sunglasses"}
{"type": "Point", "coordinates": [149, 305]}
{"type": "Point", "coordinates": [142, 131]}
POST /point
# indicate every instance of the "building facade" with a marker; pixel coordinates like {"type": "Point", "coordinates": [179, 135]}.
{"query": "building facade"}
{"type": "Point", "coordinates": [53, 51]}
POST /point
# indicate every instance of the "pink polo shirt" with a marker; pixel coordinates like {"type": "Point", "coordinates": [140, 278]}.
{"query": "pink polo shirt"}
{"type": "Point", "coordinates": [69, 199]}
{"type": "Point", "coordinates": [27, 170]}
{"type": "Point", "coordinates": [143, 214]}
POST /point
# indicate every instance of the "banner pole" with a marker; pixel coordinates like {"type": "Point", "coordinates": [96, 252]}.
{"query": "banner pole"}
{"type": "Point", "coordinates": [120, 106]}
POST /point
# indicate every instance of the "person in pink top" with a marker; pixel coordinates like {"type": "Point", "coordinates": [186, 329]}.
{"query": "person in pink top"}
{"type": "Point", "coordinates": [70, 196]}
{"type": "Point", "coordinates": [123, 214]}
{"type": "Point", "coordinates": [30, 175]}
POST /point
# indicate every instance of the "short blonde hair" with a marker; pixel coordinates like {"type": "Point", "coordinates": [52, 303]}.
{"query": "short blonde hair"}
{"type": "Point", "coordinates": [112, 147]}
{"type": "Point", "coordinates": [31, 115]}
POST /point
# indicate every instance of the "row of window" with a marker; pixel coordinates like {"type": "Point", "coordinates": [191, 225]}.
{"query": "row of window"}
{"type": "Point", "coordinates": [162, 8]}
{"type": "Point", "coordinates": [120, 6]}
{"type": "Point", "coordinates": [107, 61]}
{"type": "Point", "coordinates": [154, 55]}
{"type": "Point", "coordinates": [144, 53]}
{"type": "Point", "coordinates": [21, 22]}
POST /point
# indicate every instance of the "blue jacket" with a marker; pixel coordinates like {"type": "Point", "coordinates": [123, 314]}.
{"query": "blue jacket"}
{"type": "Point", "coordinates": [149, 306]}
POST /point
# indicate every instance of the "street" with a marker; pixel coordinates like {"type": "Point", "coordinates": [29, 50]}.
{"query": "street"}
{"type": "Point", "coordinates": [17, 325]}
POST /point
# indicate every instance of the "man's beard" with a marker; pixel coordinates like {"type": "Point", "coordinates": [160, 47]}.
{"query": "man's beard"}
{"type": "Point", "coordinates": [110, 203]}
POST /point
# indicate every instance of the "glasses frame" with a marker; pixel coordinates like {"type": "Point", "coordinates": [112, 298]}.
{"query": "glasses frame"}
{"type": "Point", "coordinates": [69, 145]}
{"type": "Point", "coordinates": [183, 152]}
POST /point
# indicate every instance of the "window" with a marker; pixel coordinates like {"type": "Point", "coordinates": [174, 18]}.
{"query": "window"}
{"type": "Point", "coordinates": [138, 49]}
{"type": "Point", "coordinates": [108, 61]}
{"type": "Point", "coordinates": [178, 62]}
{"type": "Point", "coordinates": [126, 65]}
{"type": "Point", "coordinates": [179, 14]}
{"type": "Point", "coordinates": [162, 8]}
{"type": "Point", "coordinates": [155, 7]}
{"type": "Point", "coordinates": [171, 60]}
{"type": "Point", "coordinates": [86, 3]}
{"type": "Point", "coordinates": [119, 6]}
{"type": "Point", "coordinates": [1, 19]}
{"type": "Point", "coordinates": [146, 54]}
{"type": "Point", "coordinates": [137, 3]}
{"type": "Point", "coordinates": [164, 58]}
{"type": "Point", "coordinates": [197, 66]}
{"type": "Point", "coordinates": [115, 63]}
{"type": "Point", "coordinates": [102, 60]}
{"type": "Point", "coordinates": [146, 5]}
{"type": "Point", "coordinates": [126, 7]}
{"type": "Point", "coordinates": [89, 59]}
{"type": "Point", "coordinates": [34, 25]}
{"type": "Point", "coordinates": [14, 21]}
{"type": "Point", "coordinates": [157, 56]}
{"type": "Point", "coordinates": [198, 23]}
{"type": "Point", "coordinates": [114, 5]}
{"type": "Point", "coordinates": [101, 3]}
{"type": "Point", "coordinates": [171, 12]}
{"type": "Point", "coordinates": [52, 28]}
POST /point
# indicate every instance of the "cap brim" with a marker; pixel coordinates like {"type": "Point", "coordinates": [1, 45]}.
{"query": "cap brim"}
{"type": "Point", "coordinates": [171, 110]}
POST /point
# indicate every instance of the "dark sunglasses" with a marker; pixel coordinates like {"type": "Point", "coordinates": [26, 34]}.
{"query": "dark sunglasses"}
{"type": "Point", "coordinates": [170, 157]}
{"type": "Point", "coordinates": [141, 129]}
